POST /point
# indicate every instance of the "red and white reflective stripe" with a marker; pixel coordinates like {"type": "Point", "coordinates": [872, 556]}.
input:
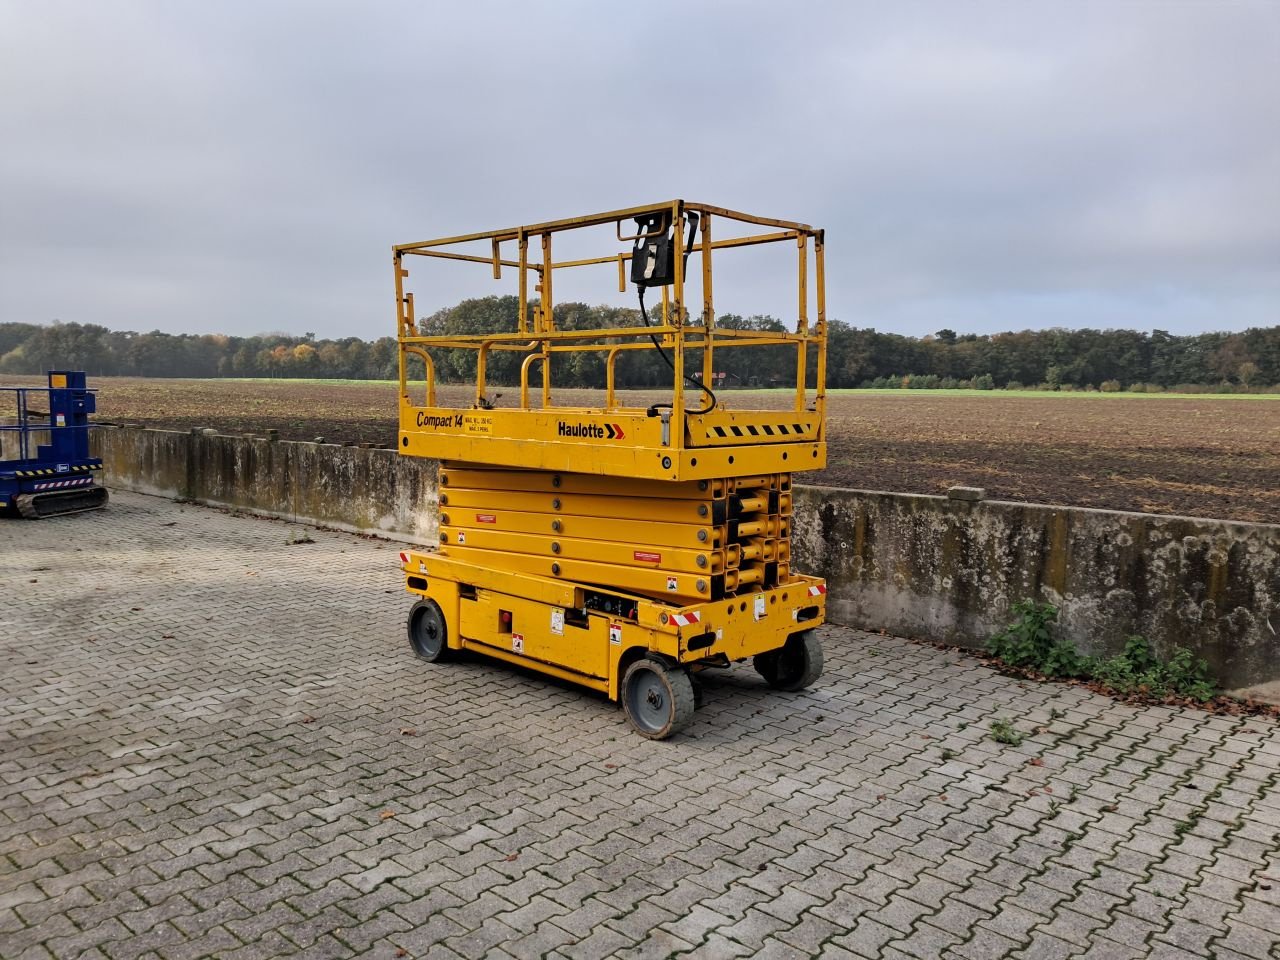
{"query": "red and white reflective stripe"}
{"type": "Point", "coordinates": [685, 619]}
{"type": "Point", "coordinates": [56, 484]}
{"type": "Point", "coordinates": [817, 589]}
{"type": "Point", "coordinates": [404, 557]}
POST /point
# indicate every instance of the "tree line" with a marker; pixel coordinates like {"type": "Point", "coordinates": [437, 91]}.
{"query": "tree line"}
{"type": "Point", "coordinates": [857, 356]}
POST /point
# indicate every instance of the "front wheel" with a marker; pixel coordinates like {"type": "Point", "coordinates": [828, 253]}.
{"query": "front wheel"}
{"type": "Point", "coordinates": [428, 633]}
{"type": "Point", "coordinates": [793, 667]}
{"type": "Point", "coordinates": [658, 699]}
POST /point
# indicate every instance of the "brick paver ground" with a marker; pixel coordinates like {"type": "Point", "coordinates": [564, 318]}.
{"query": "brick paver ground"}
{"type": "Point", "coordinates": [215, 743]}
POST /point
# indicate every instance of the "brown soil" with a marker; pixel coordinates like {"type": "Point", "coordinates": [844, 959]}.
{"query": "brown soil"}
{"type": "Point", "coordinates": [1210, 456]}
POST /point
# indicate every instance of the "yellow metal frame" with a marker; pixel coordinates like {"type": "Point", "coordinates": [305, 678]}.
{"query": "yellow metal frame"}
{"type": "Point", "coordinates": [614, 439]}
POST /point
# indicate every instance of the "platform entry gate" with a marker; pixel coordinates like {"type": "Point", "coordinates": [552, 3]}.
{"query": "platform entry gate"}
{"type": "Point", "coordinates": [630, 544]}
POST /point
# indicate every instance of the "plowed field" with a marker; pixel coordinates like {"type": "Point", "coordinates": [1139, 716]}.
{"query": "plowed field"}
{"type": "Point", "coordinates": [1201, 456]}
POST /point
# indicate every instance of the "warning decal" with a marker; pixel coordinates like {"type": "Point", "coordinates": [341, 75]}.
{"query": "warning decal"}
{"type": "Point", "coordinates": [477, 423]}
{"type": "Point", "coordinates": [646, 556]}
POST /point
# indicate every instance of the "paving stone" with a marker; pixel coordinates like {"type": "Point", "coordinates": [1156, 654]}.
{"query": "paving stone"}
{"type": "Point", "coordinates": [926, 942]}
{"type": "Point", "coordinates": [212, 781]}
{"type": "Point", "coordinates": [867, 938]}
{"type": "Point", "coordinates": [714, 947]}
{"type": "Point", "coordinates": [984, 945]}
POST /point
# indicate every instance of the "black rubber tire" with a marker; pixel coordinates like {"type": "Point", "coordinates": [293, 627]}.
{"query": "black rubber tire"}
{"type": "Point", "coordinates": [793, 667]}
{"type": "Point", "coordinates": [428, 632]}
{"type": "Point", "coordinates": [658, 699]}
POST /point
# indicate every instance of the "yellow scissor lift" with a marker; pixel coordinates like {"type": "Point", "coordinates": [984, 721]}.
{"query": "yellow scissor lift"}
{"type": "Point", "coordinates": [619, 547]}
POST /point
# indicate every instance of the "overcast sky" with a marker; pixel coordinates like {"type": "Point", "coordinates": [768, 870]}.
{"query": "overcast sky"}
{"type": "Point", "coordinates": [244, 167]}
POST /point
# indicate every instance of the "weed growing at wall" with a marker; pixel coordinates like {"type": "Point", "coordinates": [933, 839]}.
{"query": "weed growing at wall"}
{"type": "Point", "coordinates": [1029, 644]}
{"type": "Point", "coordinates": [1139, 671]}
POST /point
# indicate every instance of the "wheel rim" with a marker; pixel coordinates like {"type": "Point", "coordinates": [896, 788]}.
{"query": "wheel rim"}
{"type": "Point", "coordinates": [649, 700]}
{"type": "Point", "coordinates": [428, 631]}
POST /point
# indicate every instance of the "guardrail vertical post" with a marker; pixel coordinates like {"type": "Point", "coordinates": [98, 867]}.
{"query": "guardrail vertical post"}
{"type": "Point", "coordinates": [802, 322]}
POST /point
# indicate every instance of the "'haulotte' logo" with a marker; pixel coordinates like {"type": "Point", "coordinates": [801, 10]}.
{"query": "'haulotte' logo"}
{"type": "Point", "coordinates": [590, 431]}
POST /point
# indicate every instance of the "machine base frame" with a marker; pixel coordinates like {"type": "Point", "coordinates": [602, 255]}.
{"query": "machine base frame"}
{"type": "Point", "coordinates": [556, 627]}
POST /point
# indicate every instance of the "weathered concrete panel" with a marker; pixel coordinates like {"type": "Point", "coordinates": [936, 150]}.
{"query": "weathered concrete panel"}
{"type": "Point", "coordinates": [348, 488]}
{"type": "Point", "coordinates": [366, 489]}
{"type": "Point", "coordinates": [950, 570]}
{"type": "Point", "coordinates": [10, 440]}
{"type": "Point", "coordinates": [145, 461]}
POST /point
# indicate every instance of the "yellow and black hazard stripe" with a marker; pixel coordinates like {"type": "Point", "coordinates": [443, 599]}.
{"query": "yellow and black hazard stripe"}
{"type": "Point", "coordinates": [78, 468]}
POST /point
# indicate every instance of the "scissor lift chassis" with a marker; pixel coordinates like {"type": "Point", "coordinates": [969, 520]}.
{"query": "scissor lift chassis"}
{"type": "Point", "coordinates": [621, 548]}
{"type": "Point", "coordinates": [544, 624]}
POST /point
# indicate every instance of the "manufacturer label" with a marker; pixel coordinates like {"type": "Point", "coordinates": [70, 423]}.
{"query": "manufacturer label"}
{"type": "Point", "coordinates": [557, 621]}
{"type": "Point", "coordinates": [589, 431]}
{"type": "Point", "coordinates": [615, 634]}
{"type": "Point", "coordinates": [60, 419]}
{"type": "Point", "coordinates": [517, 643]}
{"type": "Point", "coordinates": [673, 584]}
{"type": "Point", "coordinates": [646, 556]}
{"type": "Point", "coordinates": [486, 518]}
{"type": "Point", "coordinates": [759, 607]}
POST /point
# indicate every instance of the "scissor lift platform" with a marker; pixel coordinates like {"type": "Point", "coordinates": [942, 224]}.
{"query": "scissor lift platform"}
{"type": "Point", "coordinates": [624, 548]}
{"type": "Point", "coordinates": [622, 442]}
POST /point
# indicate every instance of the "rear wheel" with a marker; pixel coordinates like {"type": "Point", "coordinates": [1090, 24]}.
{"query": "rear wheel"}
{"type": "Point", "coordinates": [658, 699]}
{"type": "Point", "coordinates": [428, 633]}
{"type": "Point", "coordinates": [793, 667]}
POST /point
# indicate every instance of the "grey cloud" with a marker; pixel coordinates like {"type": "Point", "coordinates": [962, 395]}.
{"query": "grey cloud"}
{"type": "Point", "coordinates": [241, 167]}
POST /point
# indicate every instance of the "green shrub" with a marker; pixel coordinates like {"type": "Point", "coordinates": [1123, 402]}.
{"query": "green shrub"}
{"type": "Point", "coordinates": [1138, 670]}
{"type": "Point", "coordinates": [929, 381]}
{"type": "Point", "coordinates": [1028, 642]}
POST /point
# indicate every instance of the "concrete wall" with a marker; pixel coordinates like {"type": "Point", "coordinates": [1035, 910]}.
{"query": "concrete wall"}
{"type": "Point", "coordinates": [950, 570]}
{"type": "Point", "coordinates": [918, 566]}
{"type": "Point", "coordinates": [10, 448]}
{"type": "Point", "coordinates": [348, 488]}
